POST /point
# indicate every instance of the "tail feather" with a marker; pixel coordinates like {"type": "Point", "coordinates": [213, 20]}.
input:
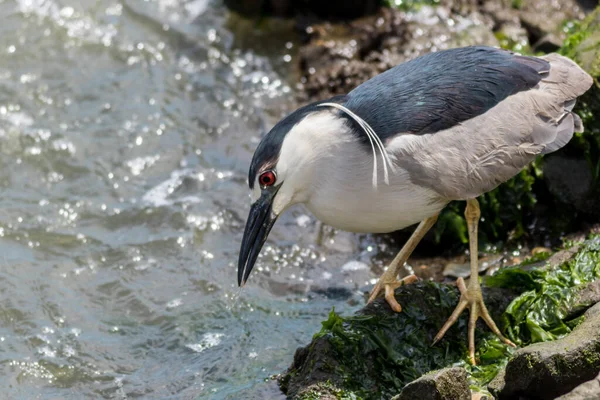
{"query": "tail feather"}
{"type": "Point", "coordinates": [565, 81]}
{"type": "Point", "coordinates": [578, 123]}
{"type": "Point", "coordinates": [564, 133]}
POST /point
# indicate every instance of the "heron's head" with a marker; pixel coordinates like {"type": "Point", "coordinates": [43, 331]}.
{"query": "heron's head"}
{"type": "Point", "coordinates": [288, 165]}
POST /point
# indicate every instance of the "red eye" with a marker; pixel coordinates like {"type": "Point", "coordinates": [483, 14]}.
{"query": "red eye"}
{"type": "Point", "coordinates": [267, 178]}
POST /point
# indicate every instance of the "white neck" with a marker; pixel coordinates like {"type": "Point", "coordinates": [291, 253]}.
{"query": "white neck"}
{"type": "Point", "coordinates": [307, 154]}
{"type": "Point", "coordinates": [324, 166]}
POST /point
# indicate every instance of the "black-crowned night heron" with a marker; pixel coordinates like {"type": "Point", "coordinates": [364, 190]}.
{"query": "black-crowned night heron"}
{"type": "Point", "coordinates": [446, 126]}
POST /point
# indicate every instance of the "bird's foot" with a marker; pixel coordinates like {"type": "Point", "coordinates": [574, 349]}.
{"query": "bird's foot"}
{"type": "Point", "coordinates": [389, 290]}
{"type": "Point", "coordinates": [471, 298]}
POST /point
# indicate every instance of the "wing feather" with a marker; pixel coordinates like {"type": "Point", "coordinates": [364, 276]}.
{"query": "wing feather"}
{"type": "Point", "coordinates": [439, 90]}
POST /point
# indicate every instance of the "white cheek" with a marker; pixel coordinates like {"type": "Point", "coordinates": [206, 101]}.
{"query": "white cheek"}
{"type": "Point", "coordinates": [255, 193]}
{"type": "Point", "coordinates": [281, 201]}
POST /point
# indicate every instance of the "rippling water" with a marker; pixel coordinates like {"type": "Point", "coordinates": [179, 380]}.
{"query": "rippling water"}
{"type": "Point", "coordinates": [126, 130]}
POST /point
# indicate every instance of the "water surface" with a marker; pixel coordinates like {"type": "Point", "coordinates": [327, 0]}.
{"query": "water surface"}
{"type": "Point", "coordinates": [126, 131]}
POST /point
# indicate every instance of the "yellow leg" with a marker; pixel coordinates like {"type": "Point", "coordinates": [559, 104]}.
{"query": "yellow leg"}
{"type": "Point", "coordinates": [388, 281]}
{"type": "Point", "coordinates": [471, 297]}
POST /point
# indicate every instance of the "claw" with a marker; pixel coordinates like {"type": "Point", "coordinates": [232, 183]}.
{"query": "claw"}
{"type": "Point", "coordinates": [374, 292]}
{"type": "Point", "coordinates": [389, 291]}
{"type": "Point", "coordinates": [471, 298]}
{"type": "Point", "coordinates": [391, 299]}
{"type": "Point", "coordinates": [388, 280]}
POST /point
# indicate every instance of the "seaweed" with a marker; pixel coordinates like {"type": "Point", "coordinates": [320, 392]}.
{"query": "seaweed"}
{"type": "Point", "coordinates": [549, 294]}
{"type": "Point", "coordinates": [327, 388]}
{"type": "Point", "coordinates": [409, 5]}
{"type": "Point", "coordinates": [376, 352]}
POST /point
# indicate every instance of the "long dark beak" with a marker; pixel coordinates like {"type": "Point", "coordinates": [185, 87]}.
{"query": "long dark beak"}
{"type": "Point", "coordinates": [260, 221]}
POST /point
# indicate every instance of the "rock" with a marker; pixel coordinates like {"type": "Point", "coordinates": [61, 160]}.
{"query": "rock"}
{"type": "Point", "coordinates": [587, 297]}
{"type": "Point", "coordinates": [502, 13]}
{"type": "Point", "coordinates": [376, 352]}
{"type": "Point", "coordinates": [339, 57]}
{"type": "Point", "coordinates": [548, 43]}
{"type": "Point", "coordinates": [542, 20]}
{"type": "Point", "coordinates": [445, 384]}
{"type": "Point", "coordinates": [548, 369]}
{"type": "Point", "coordinates": [571, 181]}
{"type": "Point", "coordinates": [564, 255]}
{"type": "Point", "coordinates": [324, 391]}
{"type": "Point", "coordinates": [497, 384]}
{"type": "Point", "coordinates": [332, 9]}
{"type": "Point", "coordinates": [589, 390]}
{"type": "Point", "coordinates": [463, 270]}
{"type": "Point", "coordinates": [438, 28]}
{"type": "Point", "coordinates": [513, 36]}
{"type": "Point", "coordinates": [540, 27]}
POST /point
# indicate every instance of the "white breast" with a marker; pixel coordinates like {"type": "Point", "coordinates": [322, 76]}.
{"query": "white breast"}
{"type": "Point", "coordinates": [346, 199]}
{"type": "Point", "coordinates": [323, 165]}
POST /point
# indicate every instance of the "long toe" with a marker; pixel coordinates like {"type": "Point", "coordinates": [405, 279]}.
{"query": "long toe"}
{"type": "Point", "coordinates": [462, 304]}
{"type": "Point", "coordinates": [375, 292]}
{"type": "Point", "coordinates": [389, 288]}
{"type": "Point", "coordinates": [471, 298]}
{"type": "Point", "coordinates": [485, 315]}
{"type": "Point", "coordinates": [478, 309]}
{"type": "Point", "coordinates": [391, 298]}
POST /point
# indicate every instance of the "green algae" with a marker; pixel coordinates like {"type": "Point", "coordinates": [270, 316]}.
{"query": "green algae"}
{"type": "Point", "coordinates": [549, 294]}
{"type": "Point", "coordinates": [377, 354]}
{"type": "Point", "coordinates": [374, 353]}
{"type": "Point", "coordinates": [409, 5]}
{"type": "Point", "coordinates": [330, 390]}
{"type": "Point", "coordinates": [545, 310]}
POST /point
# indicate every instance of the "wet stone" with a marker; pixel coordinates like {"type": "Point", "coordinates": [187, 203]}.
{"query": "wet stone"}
{"type": "Point", "coordinates": [572, 182]}
{"type": "Point", "coordinates": [543, 21]}
{"type": "Point", "coordinates": [549, 369]}
{"type": "Point", "coordinates": [445, 384]}
{"type": "Point", "coordinates": [333, 9]}
{"type": "Point", "coordinates": [339, 57]}
{"type": "Point", "coordinates": [377, 352]}
{"type": "Point", "coordinates": [463, 270]}
{"type": "Point", "coordinates": [589, 390]}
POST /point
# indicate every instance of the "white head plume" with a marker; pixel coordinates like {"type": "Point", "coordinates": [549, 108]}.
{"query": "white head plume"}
{"type": "Point", "coordinates": [373, 139]}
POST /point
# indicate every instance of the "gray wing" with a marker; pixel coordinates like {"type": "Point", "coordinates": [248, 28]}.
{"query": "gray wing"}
{"type": "Point", "coordinates": [442, 89]}
{"type": "Point", "coordinates": [477, 155]}
{"type": "Point", "coordinates": [565, 82]}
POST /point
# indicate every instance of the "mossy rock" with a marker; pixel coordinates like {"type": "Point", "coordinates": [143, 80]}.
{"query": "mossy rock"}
{"type": "Point", "coordinates": [589, 390]}
{"type": "Point", "coordinates": [444, 384]}
{"type": "Point", "coordinates": [549, 369]}
{"type": "Point", "coordinates": [584, 47]}
{"type": "Point", "coordinates": [376, 352]}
